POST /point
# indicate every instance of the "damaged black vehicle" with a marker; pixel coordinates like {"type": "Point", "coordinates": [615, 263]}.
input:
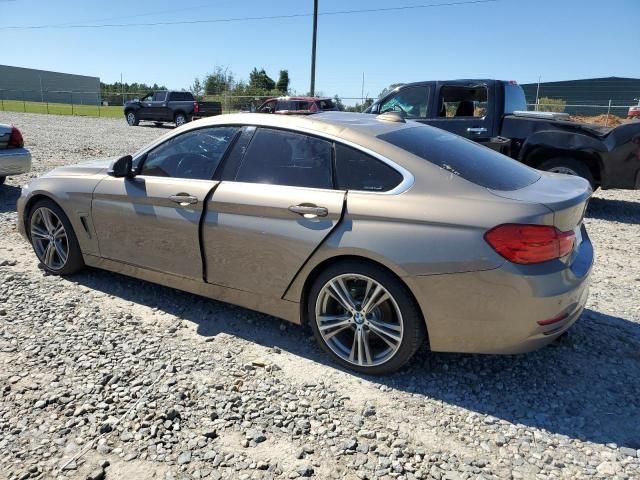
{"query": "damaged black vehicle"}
{"type": "Point", "coordinates": [494, 113]}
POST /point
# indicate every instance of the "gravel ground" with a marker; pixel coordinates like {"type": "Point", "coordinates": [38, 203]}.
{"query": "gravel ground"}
{"type": "Point", "coordinates": [108, 377]}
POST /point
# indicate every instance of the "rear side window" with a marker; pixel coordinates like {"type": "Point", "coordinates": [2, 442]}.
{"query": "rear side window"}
{"type": "Point", "coordinates": [285, 158]}
{"type": "Point", "coordinates": [356, 170]}
{"type": "Point", "coordinates": [463, 158]}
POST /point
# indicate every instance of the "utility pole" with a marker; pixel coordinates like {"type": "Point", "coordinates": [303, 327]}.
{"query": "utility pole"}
{"type": "Point", "coordinates": [313, 48]}
{"type": "Point", "coordinates": [362, 90]}
{"type": "Point", "coordinates": [121, 88]}
{"type": "Point", "coordinates": [538, 91]}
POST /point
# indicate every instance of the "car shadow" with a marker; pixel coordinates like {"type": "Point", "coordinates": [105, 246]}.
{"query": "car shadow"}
{"type": "Point", "coordinates": [153, 125]}
{"type": "Point", "coordinates": [621, 211]}
{"type": "Point", "coordinates": [9, 195]}
{"type": "Point", "coordinates": [583, 386]}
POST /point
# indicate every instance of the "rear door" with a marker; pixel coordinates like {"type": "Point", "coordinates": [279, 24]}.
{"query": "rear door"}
{"type": "Point", "coordinates": [463, 108]}
{"type": "Point", "coordinates": [275, 205]}
{"type": "Point", "coordinates": [152, 220]}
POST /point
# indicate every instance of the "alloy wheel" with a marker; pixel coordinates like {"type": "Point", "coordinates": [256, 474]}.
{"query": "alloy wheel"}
{"type": "Point", "coordinates": [180, 120]}
{"type": "Point", "coordinates": [131, 118]}
{"type": "Point", "coordinates": [359, 320]}
{"type": "Point", "coordinates": [49, 238]}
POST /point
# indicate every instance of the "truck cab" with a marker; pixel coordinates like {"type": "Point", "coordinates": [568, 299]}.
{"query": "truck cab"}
{"type": "Point", "coordinates": [494, 114]}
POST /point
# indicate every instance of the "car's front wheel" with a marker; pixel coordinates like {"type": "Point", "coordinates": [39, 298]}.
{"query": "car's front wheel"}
{"type": "Point", "coordinates": [365, 318]}
{"type": "Point", "coordinates": [53, 239]}
{"type": "Point", "coordinates": [132, 118]}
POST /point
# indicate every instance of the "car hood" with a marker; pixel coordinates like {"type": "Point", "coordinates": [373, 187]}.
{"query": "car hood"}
{"type": "Point", "coordinates": [92, 167]}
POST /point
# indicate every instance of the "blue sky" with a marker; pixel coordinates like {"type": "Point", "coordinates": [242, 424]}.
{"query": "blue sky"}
{"type": "Point", "coordinates": [507, 39]}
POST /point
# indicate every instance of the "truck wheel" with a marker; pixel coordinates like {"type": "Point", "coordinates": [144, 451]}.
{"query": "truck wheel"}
{"type": "Point", "coordinates": [180, 119]}
{"type": "Point", "coordinates": [132, 118]}
{"type": "Point", "coordinates": [568, 166]}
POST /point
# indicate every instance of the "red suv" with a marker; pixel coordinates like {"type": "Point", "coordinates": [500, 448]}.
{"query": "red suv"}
{"type": "Point", "coordinates": [297, 105]}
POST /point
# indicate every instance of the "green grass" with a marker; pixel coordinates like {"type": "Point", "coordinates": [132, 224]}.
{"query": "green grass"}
{"type": "Point", "coordinates": [61, 109]}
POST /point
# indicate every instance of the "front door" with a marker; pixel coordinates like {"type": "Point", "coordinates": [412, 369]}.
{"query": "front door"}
{"type": "Point", "coordinates": [265, 220]}
{"type": "Point", "coordinates": [153, 219]}
{"type": "Point", "coordinates": [463, 109]}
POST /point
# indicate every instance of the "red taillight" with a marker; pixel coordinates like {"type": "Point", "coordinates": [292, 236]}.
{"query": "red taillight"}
{"type": "Point", "coordinates": [15, 139]}
{"type": "Point", "coordinates": [196, 107]}
{"type": "Point", "coordinates": [527, 244]}
{"type": "Point", "coordinates": [553, 320]}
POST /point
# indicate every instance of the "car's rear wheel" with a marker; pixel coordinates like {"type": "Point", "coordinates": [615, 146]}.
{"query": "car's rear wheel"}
{"type": "Point", "coordinates": [132, 118]}
{"type": "Point", "coordinates": [180, 119]}
{"type": "Point", "coordinates": [568, 166]}
{"type": "Point", "coordinates": [365, 318]}
{"type": "Point", "coordinates": [53, 239]}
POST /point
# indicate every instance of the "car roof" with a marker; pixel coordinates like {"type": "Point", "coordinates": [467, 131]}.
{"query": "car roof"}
{"type": "Point", "coordinates": [340, 124]}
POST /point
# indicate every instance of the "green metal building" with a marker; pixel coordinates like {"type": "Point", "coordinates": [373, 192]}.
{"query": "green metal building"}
{"type": "Point", "coordinates": [589, 96]}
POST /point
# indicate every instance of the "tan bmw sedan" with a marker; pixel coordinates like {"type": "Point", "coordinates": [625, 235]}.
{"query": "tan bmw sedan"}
{"type": "Point", "coordinates": [382, 234]}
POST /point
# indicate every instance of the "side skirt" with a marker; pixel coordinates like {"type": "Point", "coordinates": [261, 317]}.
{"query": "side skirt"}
{"type": "Point", "coordinates": [276, 307]}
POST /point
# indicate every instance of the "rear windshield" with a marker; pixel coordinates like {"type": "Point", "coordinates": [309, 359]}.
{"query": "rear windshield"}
{"type": "Point", "coordinates": [463, 158]}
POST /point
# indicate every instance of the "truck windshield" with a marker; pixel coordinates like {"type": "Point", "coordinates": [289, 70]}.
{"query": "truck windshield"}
{"type": "Point", "coordinates": [462, 157]}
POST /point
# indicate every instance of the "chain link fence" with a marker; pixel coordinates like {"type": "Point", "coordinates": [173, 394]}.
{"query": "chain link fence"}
{"type": "Point", "coordinates": [109, 104]}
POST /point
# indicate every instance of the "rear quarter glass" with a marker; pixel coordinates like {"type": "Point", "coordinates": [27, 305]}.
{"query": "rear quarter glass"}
{"type": "Point", "coordinates": [463, 158]}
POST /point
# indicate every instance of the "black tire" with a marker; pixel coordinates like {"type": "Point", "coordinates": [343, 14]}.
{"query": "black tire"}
{"type": "Point", "coordinates": [74, 261]}
{"type": "Point", "coordinates": [414, 330]}
{"type": "Point", "coordinates": [2, 180]}
{"type": "Point", "coordinates": [578, 168]}
{"type": "Point", "coordinates": [132, 118]}
{"type": "Point", "coordinates": [180, 119]}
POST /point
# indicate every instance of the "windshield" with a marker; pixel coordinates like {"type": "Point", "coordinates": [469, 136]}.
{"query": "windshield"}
{"type": "Point", "coordinates": [463, 158]}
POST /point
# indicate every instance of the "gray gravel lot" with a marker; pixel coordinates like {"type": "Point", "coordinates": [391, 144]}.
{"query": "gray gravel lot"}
{"type": "Point", "coordinates": [144, 382]}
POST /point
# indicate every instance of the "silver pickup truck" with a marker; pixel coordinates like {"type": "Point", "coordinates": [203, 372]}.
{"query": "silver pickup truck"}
{"type": "Point", "coordinates": [14, 158]}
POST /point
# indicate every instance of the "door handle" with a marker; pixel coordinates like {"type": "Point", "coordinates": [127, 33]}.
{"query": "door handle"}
{"type": "Point", "coordinates": [477, 130]}
{"type": "Point", "coordinates": [183, 199]}
{"type": "Point", "coordinates": [308, 210]}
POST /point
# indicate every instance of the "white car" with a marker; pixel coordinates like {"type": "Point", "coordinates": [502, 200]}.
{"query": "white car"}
{"type": "Point", "coordinates": [14, 158]}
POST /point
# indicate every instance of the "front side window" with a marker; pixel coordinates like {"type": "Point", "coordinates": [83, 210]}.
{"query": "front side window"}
{"type": "Point", "coordinates": [268, 107]}
{"type": "Point", "coordinates": [194, 154]}
{"type": "Point", "coordinates": [410, 101]}
{"type": "Point", "coordinates": [355, 170]}
{"type": "Point", "coordinates": [280, 157]}
{"type": "Point", "coordinates": [463, 101]}
{"type": "Point", "coordinates": [159, 96]}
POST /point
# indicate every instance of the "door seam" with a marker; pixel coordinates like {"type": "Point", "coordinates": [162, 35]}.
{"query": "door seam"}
{"type": "Point", "coordinates": [313, 252]}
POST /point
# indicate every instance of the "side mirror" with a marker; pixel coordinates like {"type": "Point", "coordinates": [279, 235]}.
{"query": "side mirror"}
{"type": "Point", "coordinates": [122, 167]}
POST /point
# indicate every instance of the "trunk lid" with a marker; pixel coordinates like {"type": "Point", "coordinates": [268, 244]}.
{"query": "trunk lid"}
{"type": "Point", "coordinates": [566, 196]}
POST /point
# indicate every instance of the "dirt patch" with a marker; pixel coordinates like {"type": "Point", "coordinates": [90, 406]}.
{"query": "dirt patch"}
{"type": "Point", "coordinates": [604, 120]}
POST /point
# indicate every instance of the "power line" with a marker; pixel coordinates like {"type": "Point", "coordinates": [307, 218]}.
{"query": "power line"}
{"type": "Point", "coordinates": [243, 19]}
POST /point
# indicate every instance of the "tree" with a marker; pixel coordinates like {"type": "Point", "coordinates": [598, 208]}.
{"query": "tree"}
{"type": "Point", "coordinates": [259, 79]}
{"type": "Point", "coordinates": [283, 82]}
{"type": "Point", "coordinates": [361, 107]}
{"type": "Point", "coordinates": [197, 88]}
{"type": "Point", "coordinates": [221, 80]}
{"type": "Point", "coordinates": [547, 104]}
{"type": "Point", "coordinates": [338, 103]}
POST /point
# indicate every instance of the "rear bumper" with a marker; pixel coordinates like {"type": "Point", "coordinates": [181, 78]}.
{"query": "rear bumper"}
{"type": "Point", "coordinates": [14, 161]}
{"type": "Point", "coordinates": [497, 311]}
